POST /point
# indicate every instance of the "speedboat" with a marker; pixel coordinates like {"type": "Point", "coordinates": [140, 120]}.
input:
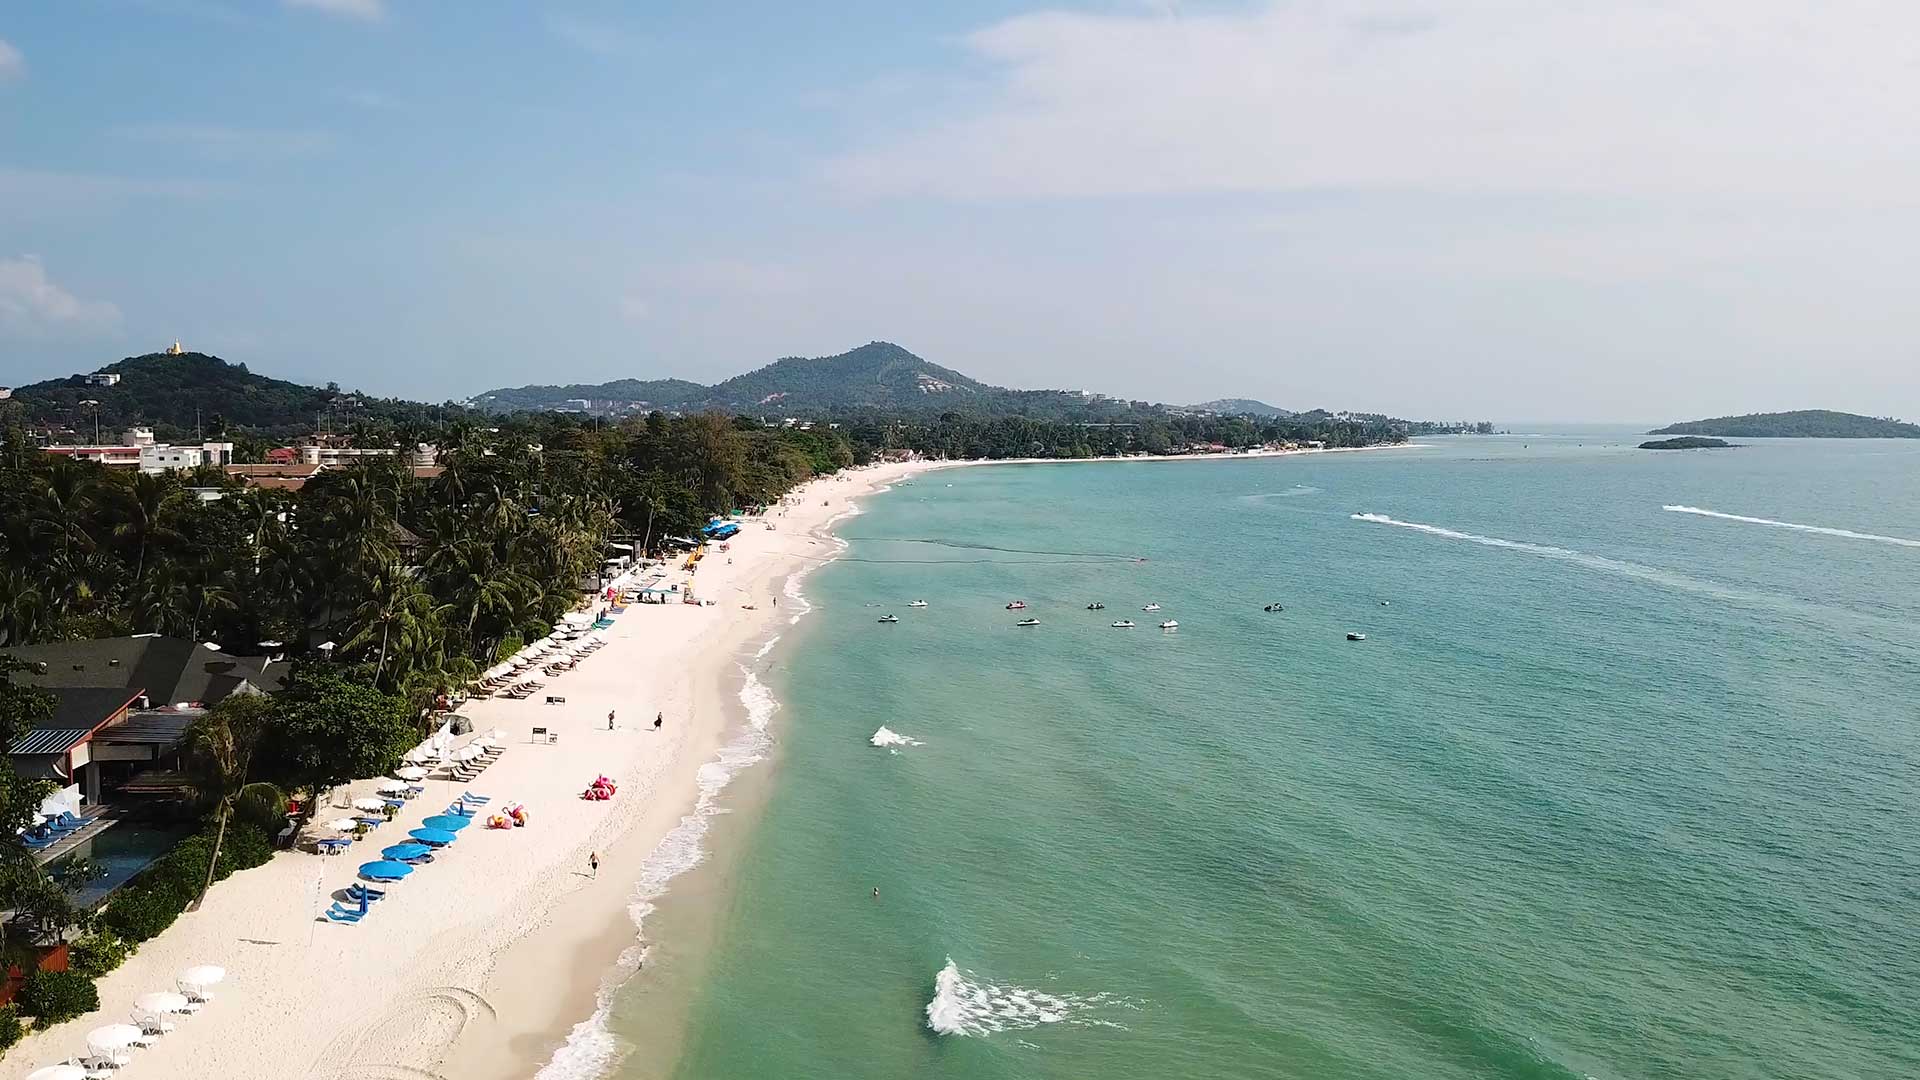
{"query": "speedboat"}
{"type": "Point", "coordinates": [1123, 624]}
{"type": "Point", "coordinates": [1273, 607]}
{"type": "Point", "coordinates": [1028, 622]}
{"type": "Point", "coordinates": [1017, 605]}
{"type": "Point", "coordinates": [1151, 607]}
{"type": "Point", "coordinates": [1169, 625]}
{"type": "Point", "coordinates": [1356, 637]}
{"type": "Point", "coordinates": [1096, 606]}
{"type": "Point", "coordinates": [889, 618]}
{"type": "Point", "coordinates": [918, 603]}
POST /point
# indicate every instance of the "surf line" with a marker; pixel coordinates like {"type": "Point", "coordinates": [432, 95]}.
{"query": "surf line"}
{"type": "Point", "coordinates": [1823, 530]}
{"type": "Point", "coordinates": [990, 547]}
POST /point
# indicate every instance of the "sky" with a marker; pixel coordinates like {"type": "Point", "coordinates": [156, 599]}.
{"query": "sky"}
{"type": "Point", "coordinates": [1631, 210]}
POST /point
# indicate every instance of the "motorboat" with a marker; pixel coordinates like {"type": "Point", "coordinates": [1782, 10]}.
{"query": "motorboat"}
{"type": "Point", "coordinates": [1096, 606]}
{"type": "Point", "coordinates": [1169, 625]}
{"type": "Point", "coordinates": [1356, 637]}
{"type": "Point", "coordinates": [1273, 607]}
{"type": "Point", "coordinates": [889, 618]}
{"type": "Point", "coordinates": [918, 603]}
{"type": "Point", "coordinates": [1151, 607]}
{"type": "Point", "coordinates": [1028, 622]}
{"type": "Point", "coordinates": [1017, 605]}
{"type": "Point", "coordinates": [1123, 624]}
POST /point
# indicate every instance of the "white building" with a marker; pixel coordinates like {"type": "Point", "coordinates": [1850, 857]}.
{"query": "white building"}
{"type": "Point", "coordinates": [104, 378]}
{"type": "Point", "coordinates": [341, 455]}
{"type": "Point", "coordinates": [5, 392]}
{"type": "Point", "coordinates": [159, 458]}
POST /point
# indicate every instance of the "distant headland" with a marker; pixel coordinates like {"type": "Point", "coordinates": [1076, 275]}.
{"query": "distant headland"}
{"type": "Point", "coordinates": [1686, 442]}
{"type": "Point", "coordinates": [1804, 424]}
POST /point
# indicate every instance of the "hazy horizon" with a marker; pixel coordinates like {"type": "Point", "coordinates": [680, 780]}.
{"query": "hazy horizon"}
{"type": "Point", "coordinates": [1476, 209]}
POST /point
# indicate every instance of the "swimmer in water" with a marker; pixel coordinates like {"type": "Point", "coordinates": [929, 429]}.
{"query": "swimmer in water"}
{"type": "Point", "coordinates": [876, 892]}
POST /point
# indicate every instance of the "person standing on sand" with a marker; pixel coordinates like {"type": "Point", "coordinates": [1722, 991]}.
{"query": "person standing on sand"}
{"type": "Point", "coordinates": [593, 862]}
{"type": "Point", "coordinates": [658, 719]}
{"type": "Point", "coordinates": [609, 719]}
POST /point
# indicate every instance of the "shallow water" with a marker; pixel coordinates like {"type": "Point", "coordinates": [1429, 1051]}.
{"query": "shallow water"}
{"type": "Point", "coordinates": [1610, 790]}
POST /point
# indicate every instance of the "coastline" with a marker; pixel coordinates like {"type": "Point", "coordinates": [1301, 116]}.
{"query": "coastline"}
{"type": "Point", "coordinates": [473, 966]}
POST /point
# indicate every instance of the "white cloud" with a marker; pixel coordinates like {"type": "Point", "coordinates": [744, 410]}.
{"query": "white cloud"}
{"type": "Point", "coordinates": [33, 305]}
{"type": "Point", "coordinates": [356, 9]}
{"type": "Point", "coordinates": [12, 64]}
{"type": "Point", "coordinates": [1696, 97]}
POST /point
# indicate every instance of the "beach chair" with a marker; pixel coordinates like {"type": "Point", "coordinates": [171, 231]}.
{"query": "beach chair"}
{"type": "Point", "coordinates": [340, 916]}
{"type": "Point", "coordinates": [356, 890]}
{"type": "Point", "coordinates": [470, 797]}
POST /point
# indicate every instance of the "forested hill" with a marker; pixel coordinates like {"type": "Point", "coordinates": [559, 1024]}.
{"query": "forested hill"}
{"type": "Point", "coordinates": [1804, 424]}
{"type": "Point", "coordinates": [880, 375]}
{"type": "Point", "coordinates": [178, 394]}
{"type": "Point", "coordinates": [1241, 407]}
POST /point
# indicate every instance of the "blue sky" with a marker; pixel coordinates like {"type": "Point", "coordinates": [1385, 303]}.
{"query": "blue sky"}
{"type": "Point", "coordinates": [1526, 210]}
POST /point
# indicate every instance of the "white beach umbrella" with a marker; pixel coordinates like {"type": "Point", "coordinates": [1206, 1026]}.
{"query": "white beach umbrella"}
{"type": "Point", "coordinates": [410, 772]}
{"type": "Point", "coordinates": [106, 1040]}
{"type": "Point", "coordinates": [369, 805]}
{"type": "Point", "coordinates": [577, 618]}
{"type": "Point", "coordinates": [58, 1072]}
{"type": "Point", "coordinates": [387, 787]}
{"type": "Point", "coordinates": [343, 824]}
{"type": "Point", "coordinates": [202, 976]}
{"type": "Point", "coordinates": [162, 1001]}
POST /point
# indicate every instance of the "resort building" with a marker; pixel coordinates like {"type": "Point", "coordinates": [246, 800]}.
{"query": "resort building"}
{"type": "Point", "coordinates": [138, 450]}
{"type": "Point", "coordinates": [103, 378]}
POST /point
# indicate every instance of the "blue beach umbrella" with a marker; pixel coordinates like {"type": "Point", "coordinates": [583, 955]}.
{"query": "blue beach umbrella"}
{"type": "Point", "coordinates": [403, 852]}
{"type": "Point", "coordinates": [448, 822]}
{"type": "Point", "coordinates": [436, 837]}
{"type": "Point", "coordinates": [385, 870]}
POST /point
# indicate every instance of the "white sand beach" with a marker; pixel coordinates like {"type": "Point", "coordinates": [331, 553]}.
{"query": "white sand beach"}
{"type": "Point", "coordinates": [480, 964]}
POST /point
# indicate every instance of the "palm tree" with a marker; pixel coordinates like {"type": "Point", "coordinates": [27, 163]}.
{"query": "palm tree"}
{"type": "Point", "coordinates": [221, 744]}
{"type": "Point", "coordinates": [403, 617]}
{"type": "Point", "coordinates": [23, 606]}
{"type": "Point", "coordinates": [163, 604]}
{"type": "Point", "coordinates": [143, 506]}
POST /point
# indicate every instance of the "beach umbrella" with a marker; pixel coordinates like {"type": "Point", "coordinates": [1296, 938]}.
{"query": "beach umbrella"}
{"type": "Point", "coordinates": [385, 870]}
{"type": "Point", "coordinates": [403, 852]}
{"type": "Point", "coordinates": [371, 806]}
{"type": "Point", "coordinates": [106, 1040]}
{"type": "Point", "coordinates": [58, 1072]}
{"type": "Point", "coordinates": [410, 772]}
{"type": "Point", "coordinates": [436, 837]}
{"type": "Point", "coordinates": [202, 976]}
{"type": "Point", "coordinates": [161, 1001]}
{"type": "Point", "coordinates": [446, 822]}
{"type": "Point", "coordinates": [389, 787]}
{"type": "Point", "coordinates": [343, 824]}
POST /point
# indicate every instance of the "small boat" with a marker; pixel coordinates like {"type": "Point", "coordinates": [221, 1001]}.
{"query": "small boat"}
{"type": "Point", "coordinates": [1028, 622]}
{"type": "Point", "coordinates": [1123, 624]}
{"type": "Point", "coordinates": [1151, 607]}
{"type": "Point", "coordinates": [1273, 607]}
{"type": "Point", "coordinates": [889, 618]}
{"type": "Point", "coordinates": [918, 603]}
{"type": "Point", "coordinates": [1169, 625]}
{"type": "Point", "coordinates": [1017, 605]}
{"type": "Point", "coordinates": [1096, 606]}
{"type": "Point", "coordinates": [1356, 637]}
{"type": "Point", "coordinates": [1386, 603]}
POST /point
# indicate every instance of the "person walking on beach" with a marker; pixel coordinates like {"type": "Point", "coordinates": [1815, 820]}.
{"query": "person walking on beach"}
{"type": "Point", "coordinates": [609, 719]}
{"type": "Point", "coordinates": [593, 863]}
{"type": "Point", "coordinates": [658, 719]}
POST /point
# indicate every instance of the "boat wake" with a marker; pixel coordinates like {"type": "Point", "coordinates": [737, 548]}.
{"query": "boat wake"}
{"type": "Point", "coordinates": [963, 1005]}
{"type": "Point", "coordinates": [1293, 492]}
{"type": "Point", "coordinates": [890, 738]}
{"type": "Point", "coordinates": [1823, 530]}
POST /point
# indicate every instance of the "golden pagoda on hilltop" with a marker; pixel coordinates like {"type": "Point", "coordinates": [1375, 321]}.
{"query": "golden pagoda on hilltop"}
{"type": "Point", "coordinates": [175, 349]}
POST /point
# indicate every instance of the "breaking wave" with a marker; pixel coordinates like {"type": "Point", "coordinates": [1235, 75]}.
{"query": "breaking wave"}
{"type": "Point", "coordinates": [963, 1005]}
{"type": "Point", "coordinates": [1823, 530]}
{"type": "Point", "coordinates": [886, 736]}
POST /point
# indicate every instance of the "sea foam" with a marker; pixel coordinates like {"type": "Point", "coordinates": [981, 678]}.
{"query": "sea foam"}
{"type": "Point", "coordinates": [964, 1005]}
{"type": "Point", "coordinates": [886, 736]}
{"type": "Point", "coordinates": [1823, 530]}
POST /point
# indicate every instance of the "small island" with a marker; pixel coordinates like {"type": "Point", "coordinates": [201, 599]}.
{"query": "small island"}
{"type": "Point", "coordinates": [1805, 424]}
{"type": "Point", "coordinates": [1686, 442]}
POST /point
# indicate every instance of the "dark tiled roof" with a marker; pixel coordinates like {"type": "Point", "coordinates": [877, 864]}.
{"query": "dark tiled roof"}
{"type": "Point", "coordinates": [76, 712]}
{"type": "Point", "coordinates": [167, 669]}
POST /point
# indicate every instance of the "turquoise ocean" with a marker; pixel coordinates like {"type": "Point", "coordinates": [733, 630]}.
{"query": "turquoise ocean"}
{"type": "Point", "coordinates": [1621, 784]}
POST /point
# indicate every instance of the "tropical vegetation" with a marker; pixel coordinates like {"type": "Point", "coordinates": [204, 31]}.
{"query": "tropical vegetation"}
{"type": "Point", "coordinates": [1802, 424]}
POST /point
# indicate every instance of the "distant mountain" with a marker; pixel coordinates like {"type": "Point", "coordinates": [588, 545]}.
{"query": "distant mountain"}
{"type": "Point", "coordinates": [880, 376]}
{"type": "Point", "coordinates": [1239, 406]}
{"type": "Point", "coordinates": [177, 393]}
{"type": "Point", "coordinates": [1804, 424]}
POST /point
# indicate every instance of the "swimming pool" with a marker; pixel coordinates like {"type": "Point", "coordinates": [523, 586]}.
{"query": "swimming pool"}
{"type": "Point", "coordinates": [117, 854]}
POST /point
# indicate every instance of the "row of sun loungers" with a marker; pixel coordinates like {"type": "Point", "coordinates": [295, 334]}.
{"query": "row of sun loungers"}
{"type": "Point", "coordinates": [55, 829]}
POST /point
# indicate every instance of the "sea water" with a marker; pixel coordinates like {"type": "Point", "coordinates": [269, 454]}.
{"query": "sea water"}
{"type": "Point", "coordinates": [1622, 782]}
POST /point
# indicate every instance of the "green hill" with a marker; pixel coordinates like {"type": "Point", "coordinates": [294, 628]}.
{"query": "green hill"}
{"type": "Point", "coordinates": [1240, 407]}
{"type": "Point", "coordinates": [653, 393]}
{"type": "Point", "coordinates": [175, 393]}
{"type": "Point", "coordinates": [1804, 424]}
